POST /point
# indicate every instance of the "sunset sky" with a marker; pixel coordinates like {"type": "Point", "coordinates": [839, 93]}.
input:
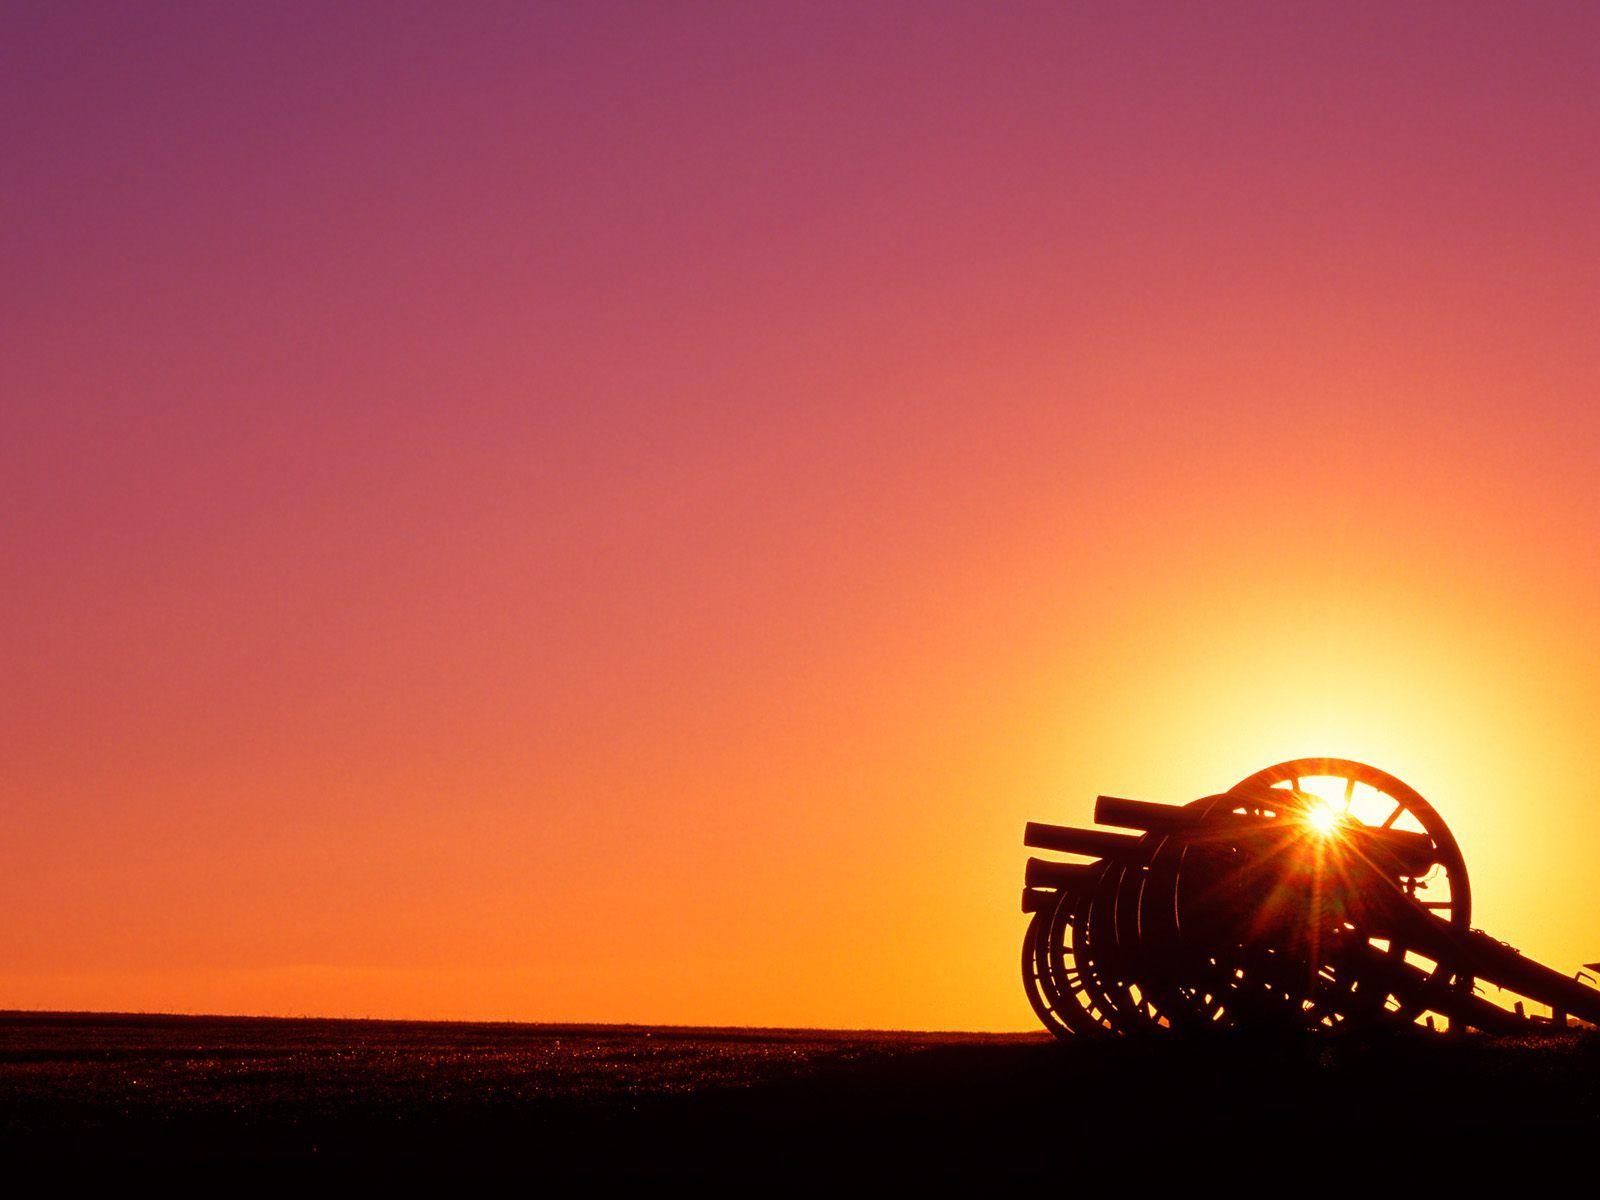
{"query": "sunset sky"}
{"type": "Point", "coordinates": [620, 512]}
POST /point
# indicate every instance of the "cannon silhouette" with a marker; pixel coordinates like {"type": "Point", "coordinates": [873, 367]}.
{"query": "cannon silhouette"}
{"type": "Point", "coordinates": [1318, 894]}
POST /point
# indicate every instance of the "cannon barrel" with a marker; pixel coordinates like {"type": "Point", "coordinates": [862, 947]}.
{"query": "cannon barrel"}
{"type": "Point", "coordinates": [1406, 852]}
{"type": "Point", "coordinates": [1064, 877]}
{"type": "Point", "coordinates": [1044, 882]}
{"type": "Point", "coordinates": [1038, 900]}
{"type": "Point", "coordinates": [1096, 843]}
{"type": "Point", "coordinates": [1139, 814]}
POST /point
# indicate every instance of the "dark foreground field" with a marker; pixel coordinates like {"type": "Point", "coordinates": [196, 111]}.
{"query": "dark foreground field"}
{"type": "Point", "coordinates": [123, 1094]}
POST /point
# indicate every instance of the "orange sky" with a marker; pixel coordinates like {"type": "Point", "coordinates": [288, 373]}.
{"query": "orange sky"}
{"type": "Point", "coordinates": [621, 514]}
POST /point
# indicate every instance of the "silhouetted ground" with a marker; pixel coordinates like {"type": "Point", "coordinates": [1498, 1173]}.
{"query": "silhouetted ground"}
{"type": "Point", "coordinates": [252, 1099]}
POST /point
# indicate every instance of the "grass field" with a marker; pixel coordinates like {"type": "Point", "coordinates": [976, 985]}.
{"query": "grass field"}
{"type": "Point", "coordinates": [117, 1093]}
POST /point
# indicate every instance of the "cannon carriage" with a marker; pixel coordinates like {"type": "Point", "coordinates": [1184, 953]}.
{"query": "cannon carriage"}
{"type": "Point", "coordinates": [1318, 894]}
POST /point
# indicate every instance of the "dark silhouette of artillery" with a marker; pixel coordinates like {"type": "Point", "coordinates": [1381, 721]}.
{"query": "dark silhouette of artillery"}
{"type": "Point", "coordinates": [1316, 894]}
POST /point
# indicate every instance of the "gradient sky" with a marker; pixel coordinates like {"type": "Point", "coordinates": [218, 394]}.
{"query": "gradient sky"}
{"type": "Point", "coordinates": [620, 512]}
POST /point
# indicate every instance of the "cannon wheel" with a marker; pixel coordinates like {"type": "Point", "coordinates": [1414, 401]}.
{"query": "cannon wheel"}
{"type": "Point", "coordinates": [1108, 940]}
{"type": "Point", "coordinates": [1036, 981]}
{"type": "Point", "coordinates": [1059, 980]}
{"type": "Point", "coordinates": [1192, 993]}
{"type": "Point", "coordinates": [1338, 1006]}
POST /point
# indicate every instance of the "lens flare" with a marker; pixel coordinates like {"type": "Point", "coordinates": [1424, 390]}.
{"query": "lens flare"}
{"type": "Point", "coordinates": [1323, 818]}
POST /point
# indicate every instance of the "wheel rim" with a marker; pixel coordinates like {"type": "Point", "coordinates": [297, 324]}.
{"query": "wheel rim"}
{"type": "Point", "coordinates": [1372, 799]}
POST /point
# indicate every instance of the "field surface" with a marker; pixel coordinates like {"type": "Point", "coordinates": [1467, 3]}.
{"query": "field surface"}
{"type": "Point", "coordinates": [130, 1093]}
